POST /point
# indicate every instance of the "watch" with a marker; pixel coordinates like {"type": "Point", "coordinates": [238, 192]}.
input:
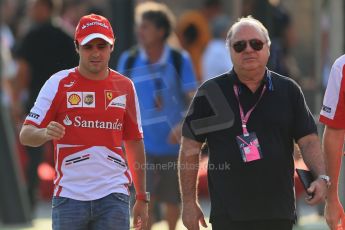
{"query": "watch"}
{"type": "Point", "coordinates": [143, 197]}
{"type": "Point", "coordinates": [326, 179]}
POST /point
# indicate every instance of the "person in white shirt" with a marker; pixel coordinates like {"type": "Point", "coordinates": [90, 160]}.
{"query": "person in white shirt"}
{"type": "Point", "coordinates": [216, 59]}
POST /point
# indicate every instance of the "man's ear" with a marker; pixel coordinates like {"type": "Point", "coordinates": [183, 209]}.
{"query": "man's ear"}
{"type": "Point", "coordinates": [112, 46]}
{"type": "Point", "coordinates": [76, 46]}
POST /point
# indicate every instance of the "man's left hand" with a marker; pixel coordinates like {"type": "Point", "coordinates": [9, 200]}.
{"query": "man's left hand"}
{"type": "Point", "coordinates": [140, 215]}
{"type": "Point", "coordinates": [319, 190]}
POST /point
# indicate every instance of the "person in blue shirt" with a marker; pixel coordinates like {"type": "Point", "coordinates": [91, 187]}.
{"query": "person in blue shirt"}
{"type": "Point", "coordinates": [165, 82]}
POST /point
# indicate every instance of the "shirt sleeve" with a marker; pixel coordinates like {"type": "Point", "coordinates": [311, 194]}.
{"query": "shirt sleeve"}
{"type": "Point", "coordinates": [44, 109]}
{"type": "Point", "coordinates": [132, 121]}
{"type": "Point", "coordinates": [333, 108]}
{"type": "Point", "coordinates": [200, 108]}
{"type": "Point", "coordinates": [304, 123]}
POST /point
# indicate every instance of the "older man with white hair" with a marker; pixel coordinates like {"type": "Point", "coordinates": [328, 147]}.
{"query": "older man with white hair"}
{"type": "Point", "coordinates": [249, 118]}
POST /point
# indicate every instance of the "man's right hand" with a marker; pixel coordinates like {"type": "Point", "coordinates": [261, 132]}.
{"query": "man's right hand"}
{"type": "Point", "coordinates": [54, 131]}
{"type": "Point", "coordinates": [334, 214]}
{"type": "Point", "coordinates": [33, 136]}
{"type": "Point", "coordinates": [192, 215]}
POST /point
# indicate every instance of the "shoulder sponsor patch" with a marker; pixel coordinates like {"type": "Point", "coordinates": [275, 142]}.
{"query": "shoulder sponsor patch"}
{"type": "Point", "coordinates": [326, 109]}
{"type": "Point", "coordinates": [81, 99]}
{"type": "Point", "coordinates": [114, 100]}
{"type": "Point", "coordinates": [34, 115]}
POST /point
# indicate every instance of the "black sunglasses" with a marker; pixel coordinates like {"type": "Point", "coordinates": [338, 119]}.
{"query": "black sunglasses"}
{"type": "Point", "coordinates": [256, 44]}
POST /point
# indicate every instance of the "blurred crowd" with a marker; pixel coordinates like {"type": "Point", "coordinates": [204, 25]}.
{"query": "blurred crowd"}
{"type": "Point", "coordinates": [199, 31]}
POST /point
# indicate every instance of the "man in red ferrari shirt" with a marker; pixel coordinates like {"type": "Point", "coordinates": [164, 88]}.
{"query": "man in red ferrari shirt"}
{"type": "Point", "coordinates": [88, 112]}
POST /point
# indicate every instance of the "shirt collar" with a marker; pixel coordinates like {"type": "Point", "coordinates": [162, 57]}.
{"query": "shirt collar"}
{"type": "Point", "coordinates": [162, 60]}
{"type": "Point", "coordinates": [266, 80]}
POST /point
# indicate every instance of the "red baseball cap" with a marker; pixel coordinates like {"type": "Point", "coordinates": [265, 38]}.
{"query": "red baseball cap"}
{"type": "Point", "coordinates": [94, 26]}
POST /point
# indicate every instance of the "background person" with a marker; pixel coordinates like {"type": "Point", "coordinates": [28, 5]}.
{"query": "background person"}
{"type": "Point", "coordinates": [44, 50]}
{"type": "Point", "coordinates": [194, 33]}
{"type": "Point", "coordinates": [215, 59]}
{"type": "Point", "coordinates": [165, 82]}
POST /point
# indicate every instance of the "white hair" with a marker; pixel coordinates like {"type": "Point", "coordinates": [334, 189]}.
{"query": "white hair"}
{"type": "Point", "coordinates": [249, 20]}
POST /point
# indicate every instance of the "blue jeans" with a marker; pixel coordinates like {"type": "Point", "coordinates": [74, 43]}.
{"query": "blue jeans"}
{"type": "Point", "coordinates": [109, 213]}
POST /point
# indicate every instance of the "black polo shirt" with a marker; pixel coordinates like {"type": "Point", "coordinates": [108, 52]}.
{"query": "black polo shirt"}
{"type": "Point", "coordinates": [257, 190]}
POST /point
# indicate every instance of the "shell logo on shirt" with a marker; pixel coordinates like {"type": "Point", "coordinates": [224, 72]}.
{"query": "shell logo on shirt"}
{"type": "Point", "coordinates": [74, 99]}
{"type": "Point", "coordinates": [113, 100]}
{"type": "Point", "coordinates": [81, 99]}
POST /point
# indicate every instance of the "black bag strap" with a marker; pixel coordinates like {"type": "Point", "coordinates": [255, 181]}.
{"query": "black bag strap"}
{"type": "Point", "coordinates": [177, 61]}
{"type": "Point", "coordinates": [133, 53]}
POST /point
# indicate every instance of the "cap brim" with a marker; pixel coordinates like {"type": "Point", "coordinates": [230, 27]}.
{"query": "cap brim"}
{"type": "Point", "coordinates": [96, 35]}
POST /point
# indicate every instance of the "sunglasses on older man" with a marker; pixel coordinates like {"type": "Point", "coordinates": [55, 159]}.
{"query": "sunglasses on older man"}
{"type": "Point", "coordinates": [256, 44]}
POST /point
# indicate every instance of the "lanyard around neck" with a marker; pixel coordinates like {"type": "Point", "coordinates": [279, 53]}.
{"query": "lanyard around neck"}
{"type": "Point", "coordinates": [245, 117]}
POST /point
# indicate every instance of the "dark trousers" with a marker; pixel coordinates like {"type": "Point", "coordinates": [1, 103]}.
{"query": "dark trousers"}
{"type": "Point", "coordinates": [252, 225]}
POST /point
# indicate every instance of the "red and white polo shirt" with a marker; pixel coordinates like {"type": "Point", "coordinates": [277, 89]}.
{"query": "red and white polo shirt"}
{"type": "Point", "coordinates": [333, 108]}
{"type": "Point", "coordinates": [98, 115]}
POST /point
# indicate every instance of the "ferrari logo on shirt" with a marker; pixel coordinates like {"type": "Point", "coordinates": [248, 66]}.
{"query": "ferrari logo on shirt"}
{"type": "Point", "coordinates": [81, 99]}
{"type": "Point", "coordinates": [109, 95]}
{"type": "Point", "coordinates": [112, 99]}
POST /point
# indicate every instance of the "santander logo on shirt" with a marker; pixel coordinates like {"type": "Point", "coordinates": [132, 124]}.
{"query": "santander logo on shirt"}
{"type": "Point", "coordinates": [79, 122]}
